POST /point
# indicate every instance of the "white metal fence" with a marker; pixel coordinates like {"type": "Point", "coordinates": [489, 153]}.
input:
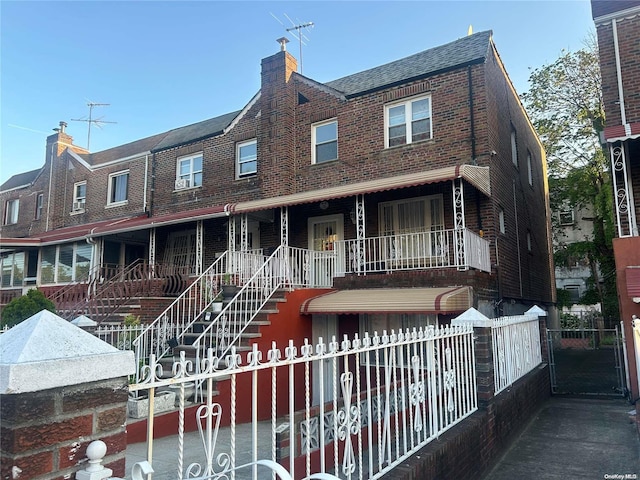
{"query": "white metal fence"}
{"type": "Point", "coordinates": [516, 348]}
{"type": "Point", "coordinates": [355, 408]}
{"type": "Point", "coordinates": [119, 336]}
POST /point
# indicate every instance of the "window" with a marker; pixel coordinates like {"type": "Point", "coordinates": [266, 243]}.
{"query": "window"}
{"type": "Point", "coordinates": [529, 171]}
{"type": "Point", "coordinates": [181, 251]}
{"type": "Point", "coordinates": [501, 221]}
{"type": "Point", "coordinates": [79, 196]}
{"type": "Point", "coordinates": [11, 211]}
{"type": "Point", "coordinates": [514, 147]}
{"type": "Point", "coordinates": [408, 122]}
{"type": "Point", "coordinates": [189, 174]}
{"type": "Point", "coordinates": [118, 187]}
{"type": "Point", "coordinates": [65, 263]}
{"type": "Point", "coordinates": [39, 202]}
{"type": "Point", "coordinates": [324, 137]}
{"type": "Point", "coordinates": [247, 158]}
{"type": "Point", "coordinates": [528, 241]}
{"type": "Point", "coordinates": [567, 217]}
{"type": "Point", "coordinates": [12, 267]}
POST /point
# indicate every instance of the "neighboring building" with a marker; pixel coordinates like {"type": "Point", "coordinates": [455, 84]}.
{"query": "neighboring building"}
{"type": "Point", "coordinates": [422, 173]}
{"type": "Point", "coordinates": [618, 29]}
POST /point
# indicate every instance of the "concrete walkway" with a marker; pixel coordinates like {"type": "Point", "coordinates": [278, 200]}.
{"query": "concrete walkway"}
{"type": "Point", "coordinates": [577, 438]}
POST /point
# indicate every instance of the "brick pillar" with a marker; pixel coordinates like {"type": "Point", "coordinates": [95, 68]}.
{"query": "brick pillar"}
{"type": "Point", "coordinates": [60, 389]}
{"type": "Point", "coordinates": [483, 351]}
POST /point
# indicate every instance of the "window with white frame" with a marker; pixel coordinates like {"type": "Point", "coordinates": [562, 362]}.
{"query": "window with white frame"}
{"type": "Point", "coordinates": [11, 208]}
{"type": "Point", "coordinates": [65, 263]}
{"type": "Point", "coordinates": [324, 137]}
{"type": "Point", "coordinates": [567, 217]}
{"type": "Point", "coordinates": [529, 171]}
{"type": "Point", "coordinates": [118, 188]}
{"type": "Point", "coordinates": [408, 121]}
{"type": "Point", "coordinates": [501, 221]}
{"type": "Point", "coordinates": [247, 158]}
{"type": "Point", "coordinates": [39, 204]}
{"type": "Point", "coordinates": [79, 196]}
{"type": "Point", "coordinates": [189, 172]}
{"type": "Point", "coordinates": [514, 146]}
{"type": "Point", "coordinates": [12, 266]}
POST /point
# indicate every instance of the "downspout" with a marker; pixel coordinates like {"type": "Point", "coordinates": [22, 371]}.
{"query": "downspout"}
{"type": "Point", "coordinates": [623, 116]}
{"type": "Point", "coordinates": [473, 142]}
{"type": "Point", "coordinates": [46, 227]}
{"type": "Point", "coordinates": [146, 178]}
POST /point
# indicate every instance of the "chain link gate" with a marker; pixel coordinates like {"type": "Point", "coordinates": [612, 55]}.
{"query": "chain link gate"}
{"type": "Point", "coordinates": [586, 362]}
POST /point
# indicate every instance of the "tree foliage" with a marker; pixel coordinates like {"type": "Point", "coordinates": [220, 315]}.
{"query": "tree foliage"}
{"type": "Point", "coordinates": [23, 307]}
{"type": "Point", "coordinates": [566, 108]}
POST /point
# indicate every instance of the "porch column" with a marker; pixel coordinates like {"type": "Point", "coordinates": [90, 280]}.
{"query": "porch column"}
{"type": "Point", "coordinates": [284, 226]}
{"type": "Point", "coordinates": [97, 258]}
{"type": "Point", "coordinates": [625, 213]}
{"type": "Point", "coordinates": [459, 223]}
{"type": "Point", "coordinates": [231, 234]}
{"type": "Point", "coordinates": [244, 233]}
{"type": "Point", "coordinates": [152, 251]}
{"type": "Point", "coordinates": [199, 246]}
{"type": "Point", "coordinates": [360, 234]}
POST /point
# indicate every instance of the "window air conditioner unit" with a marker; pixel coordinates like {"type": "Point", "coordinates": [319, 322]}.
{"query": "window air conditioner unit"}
{"type": "Point", "coordinates": [182, 183]}
{"type": "Point", "coordinates": [78, 206]}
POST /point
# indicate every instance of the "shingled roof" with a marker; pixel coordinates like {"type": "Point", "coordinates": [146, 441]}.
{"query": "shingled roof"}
{"type": "Point", "coordinates": [123, 151]}
{"type": "Point", "coordinates": [196, 131]}
{"type": "Point", "coordinates": [467, 50]}
{"type": "Point", "coordinates": [20, 179]}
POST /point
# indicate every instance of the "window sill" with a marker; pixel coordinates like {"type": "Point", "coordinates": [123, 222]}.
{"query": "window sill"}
{"type": "Point", "coordinates": [186, 189]}
{"type": "Point", "coordinates": [117, 204]}
{"type": "Point", "coordinates": [326, 162]}
{"type": "Point", "coordinates": [419, 142]}
{"type": "Point", "coordinates": [77, 212]}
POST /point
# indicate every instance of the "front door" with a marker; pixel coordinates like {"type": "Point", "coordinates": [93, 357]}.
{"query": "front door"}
{"type": "Point", "coordinates": [324, 233]}
{"type": "Point", "coordinates": [325, 327]}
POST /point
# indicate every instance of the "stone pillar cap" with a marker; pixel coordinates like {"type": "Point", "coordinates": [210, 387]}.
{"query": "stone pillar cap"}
{"type": "Point", "coordinates": [45, 351]}
{"type": "Point", "coordinates": [473, 317]}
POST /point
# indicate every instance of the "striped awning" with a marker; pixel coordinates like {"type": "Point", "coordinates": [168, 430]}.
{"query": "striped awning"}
{"type": "Point", "coordinates": [632, 276]}
{"type": "Point", "coordinates": [392, 300]}
{"type": "Point", "coordinates": [476, 176]}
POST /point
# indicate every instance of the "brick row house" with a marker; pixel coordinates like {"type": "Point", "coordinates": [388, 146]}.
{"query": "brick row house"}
{"type": "Point", "coordinates": [618, 30]}
{"type": "Point", "coordinates": [405, 193]}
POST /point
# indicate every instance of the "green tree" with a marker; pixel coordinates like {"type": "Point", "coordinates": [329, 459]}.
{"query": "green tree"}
{"type": "Point", "coordinates": [23, 307]}
{"type": "Point", "coordinates": [566, 108]}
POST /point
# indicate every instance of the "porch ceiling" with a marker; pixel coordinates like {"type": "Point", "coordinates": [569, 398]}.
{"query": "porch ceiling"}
{"type": "Point", "coordinates": [392, 300]}
{"type": "Point", "coordinates": [476, 176]}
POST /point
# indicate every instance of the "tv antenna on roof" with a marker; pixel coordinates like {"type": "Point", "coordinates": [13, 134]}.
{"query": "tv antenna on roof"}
{"type": "Point", "coordinates": [98, 122]}
{"type": "Point", "coordinates": [300, 34]}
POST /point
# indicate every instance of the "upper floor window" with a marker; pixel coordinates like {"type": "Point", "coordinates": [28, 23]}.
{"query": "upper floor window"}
{"type": "Point", "coordinates": [11, 211]}
{"type": "Point", "coordinates": [79, 196]}
{"type": "Point", "coordinates": [408, 122]}
{"type": "Point", "coordinates": [501, 221]}
{"type": "Point", "coordinates": [324, 137]}
{"type": "Point", "coordinates": [118, 187]}
{"type": "Point", "coordinates": [247, 158]}
{"type": "Point", "coordinates": [39, 203]}
{"type": "Point", "coordinates": [514, 147]}
{"type": "Point", "coordinates": [189, 172]}
{"type": "Point", "coordinates": [567, 217]}
{"type": "Point", "coordinates": [529, 171]}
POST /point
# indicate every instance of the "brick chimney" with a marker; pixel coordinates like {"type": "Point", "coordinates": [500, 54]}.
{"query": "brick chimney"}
{"type": "Point", "coordinates": [61, 140]}
{"type": "Point", "coordinates": [278, 68]}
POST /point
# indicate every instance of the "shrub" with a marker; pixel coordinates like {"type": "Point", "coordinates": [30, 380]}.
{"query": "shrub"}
{"type": "Point", "coordinates": [23, 307]}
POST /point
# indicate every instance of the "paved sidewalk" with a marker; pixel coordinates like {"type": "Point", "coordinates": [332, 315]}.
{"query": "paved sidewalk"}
{"type": "Point", "coordinates": [575, 438]}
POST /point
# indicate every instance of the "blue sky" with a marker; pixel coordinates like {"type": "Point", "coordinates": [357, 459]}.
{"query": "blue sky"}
{"type": "Point", "coordinates": [162, 65]}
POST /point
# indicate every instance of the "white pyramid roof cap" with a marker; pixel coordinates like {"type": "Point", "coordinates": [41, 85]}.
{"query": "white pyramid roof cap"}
{"type": "Point", "coordinates": [83, 321]}
{"type": "Point", "coordinates": [45, 351]}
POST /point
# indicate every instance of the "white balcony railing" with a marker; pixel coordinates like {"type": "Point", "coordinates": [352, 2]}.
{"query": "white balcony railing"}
{"type": "Point", "coordinates": [461, 249]}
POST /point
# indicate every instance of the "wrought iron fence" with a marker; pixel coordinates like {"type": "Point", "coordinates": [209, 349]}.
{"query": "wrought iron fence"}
{"type": "Point", "coordinates": [355, 408]}
{"type": "Point", "coordinates": [516, 348]}
{"type": "Point", "coordinates": [119, 336]}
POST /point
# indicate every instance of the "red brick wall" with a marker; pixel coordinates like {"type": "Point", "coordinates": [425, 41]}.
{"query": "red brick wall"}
{"type": "Point", "coordinates": [45, 434]}
{"type": "Point", "coordinates": [628, 40]}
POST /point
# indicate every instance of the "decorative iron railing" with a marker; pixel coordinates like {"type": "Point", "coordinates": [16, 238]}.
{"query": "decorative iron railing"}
{"type": "Point", "coordinates": [516, 348]}
{"type": "Point", "coordinates": [119, 336]}
{"type": "Point", "coordinates": [355, 408]}
{"type": "Point", "coordinates": [461, 249]}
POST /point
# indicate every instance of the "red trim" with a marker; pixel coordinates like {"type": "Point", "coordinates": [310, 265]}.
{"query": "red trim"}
{"type": "Point", "coordinates": [619, 131]}
{"type": "Point", "coordinates": [633, 281]}
{"type": "Point", "coordinates": [438, 299]}
{"type": "Point", "coordinates": [304, 307]}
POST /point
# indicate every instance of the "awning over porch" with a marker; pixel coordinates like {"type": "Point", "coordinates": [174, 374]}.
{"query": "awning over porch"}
{"type": "Point", "coordinates": [476, 176]}
{"type": "Point", "coordinates": [392, 300]}
{"type": "Point", "coordinates": [632, 275]}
